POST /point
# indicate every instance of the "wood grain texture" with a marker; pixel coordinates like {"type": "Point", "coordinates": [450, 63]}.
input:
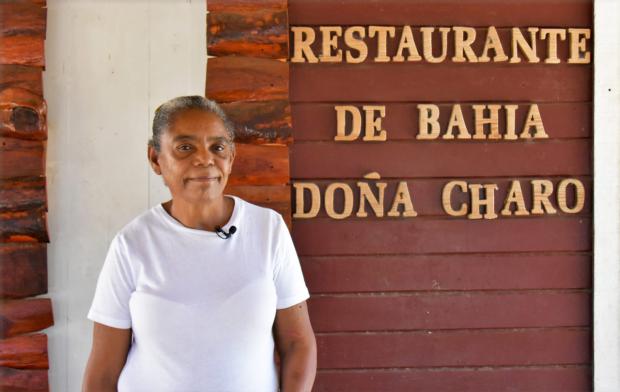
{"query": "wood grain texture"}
{"type": "Point", "coordinates": [24, 226]}
{"type": "Point", "coordinates": [441, 13]}
{"type": "Point", "coordinates": [317, 121]}
{"type": "Point", "coordinates": [21, 76]}
{"type": "Point", "coordinates": [21, 158]}
{"type": "Point", "coordinates": [23, 18]}
{"type": "Point", "coordinates": [24, 316]}
{"type": "Point", "coordinates": [260, 32]}
{"type": "Point", "coordinates": [260, 165]}
{"type": "Point", "coordinates": [24, 352]}
{"type": "Point", "coordinates": [454, 348]}
{"type": "Point", "coordinates": [402, 82]}
{"type": "Point", "coordinates": [22, 114]}
{"type": "Point", "coordinates": [237, 78]}
{"type": "Point", "coordinates": [266, 122]}
{"type": "Point", "coordinates": [503, 379]}
{"type": "Point", "coordinates": [23, 193]}
{"type": "Point", "coordinates": [22, 380]}
{"type": "Point", "coordinates": [22, 50]}
{"type": "Point", "coordinates": [427, 195]}
{"type": "Point", "coordinates": [23, 270]}
{"type": "Point", "coordinates": [244, 5]}
{"type": "Point", "coordinates": [447, 272]}
{"type": "Point", "coordinates": [458, 159]}
{"type": "Point", "coordinates": [455, 310]}
{"type": "Point", "coordinates": [414, 235]}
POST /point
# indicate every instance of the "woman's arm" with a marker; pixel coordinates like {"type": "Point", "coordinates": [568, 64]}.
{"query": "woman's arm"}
{"type": "Point", "coordinates": [297, 348]}
{"type": "Point", "coordinates": [107, 358]}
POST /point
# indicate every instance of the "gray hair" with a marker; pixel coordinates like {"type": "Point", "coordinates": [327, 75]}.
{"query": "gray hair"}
{"type": "Point", "coordinates": [165, 113]}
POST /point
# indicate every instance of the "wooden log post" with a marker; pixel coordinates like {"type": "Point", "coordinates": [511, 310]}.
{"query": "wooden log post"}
{"type": "Point", "coordinates": [249, 78]}
{"type": "Point", "coordinates": [24, 362]}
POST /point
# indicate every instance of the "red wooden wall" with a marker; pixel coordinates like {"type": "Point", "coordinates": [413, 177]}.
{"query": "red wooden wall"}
{"type": "Point", "coordinates": [23, 203]}
{"type": "Point", "coordinates": [432, 303]}
{"type": "Point", "coordinates": [436, 303]}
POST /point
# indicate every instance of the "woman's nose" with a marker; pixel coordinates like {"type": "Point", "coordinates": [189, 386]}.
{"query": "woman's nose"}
{"type": "Point", "coordinates": [203, 157]}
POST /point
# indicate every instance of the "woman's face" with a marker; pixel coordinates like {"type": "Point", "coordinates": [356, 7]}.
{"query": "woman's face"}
{"type": "Point", "coordinates": [196, 156]}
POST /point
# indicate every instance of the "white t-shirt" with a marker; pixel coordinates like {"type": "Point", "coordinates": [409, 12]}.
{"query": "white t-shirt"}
{"type": "Point", "coordinates": [201, 307]}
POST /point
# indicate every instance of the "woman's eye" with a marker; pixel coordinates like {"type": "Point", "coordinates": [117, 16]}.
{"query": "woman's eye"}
{"type": "Point", "coordinates": [184, 147]}
{"type": "Point", "coordinates": [219, 147]}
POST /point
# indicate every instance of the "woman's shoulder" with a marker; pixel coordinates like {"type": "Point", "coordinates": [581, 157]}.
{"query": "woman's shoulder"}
{"type": "Point", "coordinates": [259, 213]}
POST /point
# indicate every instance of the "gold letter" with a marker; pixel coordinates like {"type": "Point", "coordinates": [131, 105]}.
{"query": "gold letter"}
{"type": "Point", "coordinates": [463, 38]}
{"type": "Point", "coordinates": [579, 195]}
{"type": "Point", "coordinates": [407, 42]}
{"type": "Point", "coordinates": [329, 200]}
{"type": "Point", "coordinates": [330, 42]}
{"type": "Point", "coordinates": [383, 32]}
{"type": "Point", "coordinates": [402, 197]}
{"type": "Point", "coordinates": [428, 122]}
{"type": "Point", "coordinates": [367, 194]}
{"type": "Point", "coordinates": [533, 119]}
{"type": "Point", "coordinates": [477, 202]}
{"type": "Point", "coordinates": [341, 123]}
{"type": "Point", "coordinates": [518, 41]}
{"type": "Point", "coordinates": [492, 120]}
{"type": "Point", "coordinates": [515, 195]}
{"type": "Point", "coordinates": [374, 124]}
{"type": "Point", "coordinates": [427, 44]}
{"type": "Point", "coordinates": [578, 52]}
{"type": "Point", "coordinates": [356, 44]}
{"type": "Point", "coordinates": [315, 199]}
{"type": "Point", "coordinates": [541, 190]}
{"type": "Point", "coordinates": [552, 43]}
{"type": "Point", "coordinates": [301, 45]}
{"type": "Point", "coordinates": [493, 42]}
{"type": "Point", "coordinates": [446, 195]}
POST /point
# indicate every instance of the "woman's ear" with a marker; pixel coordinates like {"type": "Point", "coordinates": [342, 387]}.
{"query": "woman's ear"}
{"type": "Point", "coordinates": [153, 157]}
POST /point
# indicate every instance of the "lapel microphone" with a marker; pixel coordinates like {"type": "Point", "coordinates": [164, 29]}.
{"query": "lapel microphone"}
{"type": "Point", "coordinates": [224, 235]}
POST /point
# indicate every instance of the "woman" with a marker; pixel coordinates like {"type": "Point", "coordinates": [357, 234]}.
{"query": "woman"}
{"type": "Point", "coordinates": [193, 290]}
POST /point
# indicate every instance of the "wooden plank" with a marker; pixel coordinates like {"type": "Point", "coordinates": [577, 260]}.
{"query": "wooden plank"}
{"type": "Point", "coordinates": [454, 348]}
{"type": "Point", "coordinates": [455, 310]}
{"type": "Point", "coordinates": [504, 35]}
{"type": "Point", "coordinates": [402, 82]}
{"type": "Point", "coordinates": [23, 193]}
{"type": "Point", "coordinates": [23, 226]}
{"type": "Point", "coordinates": [260, 165]}
{"type": "Point", "coordinates": [20, 76]}
{"type": "Point", "coordinates": [22, 380]}
{"type": "Point", "coordinates": [22, 18]}
{"type": "Point", "coordinates": [410, 235]}
{"type": "Point", "coordinates": [441, 13]}
{"type": "Point", "coordinates": [261, 122]}
{"type": "Point", "coordinates": [538, 378]}
{"type": "Point", "coordinates": [21, 158]}
{"type": "Point", "coordinates": [427, 195]}
{"type": "Point", "coordinates": [260, 32]}
{"type": "Point", "coordinates": [22, 114]}
{"type": "Point", "coordinates": [237, 78]}
{"type": "Point", "coordinates": [24, 352]}
{"type": "Point", "coordinates": [441, 159]}
{"type": "Point", "coordinates": [24, 316]}
{"type": "Point", "coordinates": [22, 50]}
{"type": "Point", "coordinates": [23, 270]}
{"type": "Point", "coordinates": [317, 121]}
{"type": "Point", "coordinates": [244, 5]}
{"type": "Point", "coordinates": [383, 273]}
{"type": "Point", "coordinates": [276, 197]}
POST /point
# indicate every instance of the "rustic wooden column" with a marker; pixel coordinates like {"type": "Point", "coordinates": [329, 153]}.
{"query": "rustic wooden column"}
{"type": "Point", "coordinates": [23, 203]}
{"type": "Point", "coordinates": [249, 77]}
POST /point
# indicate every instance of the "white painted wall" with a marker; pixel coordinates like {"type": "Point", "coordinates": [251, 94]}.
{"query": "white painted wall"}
{"type": "Point", "coordinates": [108, 66]}
{"type": "Point", "coordinates": [607, 196]}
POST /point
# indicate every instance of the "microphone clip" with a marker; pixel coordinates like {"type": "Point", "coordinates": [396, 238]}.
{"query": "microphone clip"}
{"type": "Point", "coordinates": [224, 235]}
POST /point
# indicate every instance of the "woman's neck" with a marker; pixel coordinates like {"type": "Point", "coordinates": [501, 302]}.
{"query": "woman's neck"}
{"type": "Point", "coordinates": [203, 216]}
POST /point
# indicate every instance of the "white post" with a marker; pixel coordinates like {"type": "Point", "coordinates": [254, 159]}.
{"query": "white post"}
{"type": "Point", "coordinates": [606, 195]}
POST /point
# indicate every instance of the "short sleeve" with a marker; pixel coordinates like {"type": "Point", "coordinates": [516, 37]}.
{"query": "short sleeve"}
{"type": "Point", "coordinates": [288, 278]}
{"type": "Point", "coordinates": [115, 284]}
